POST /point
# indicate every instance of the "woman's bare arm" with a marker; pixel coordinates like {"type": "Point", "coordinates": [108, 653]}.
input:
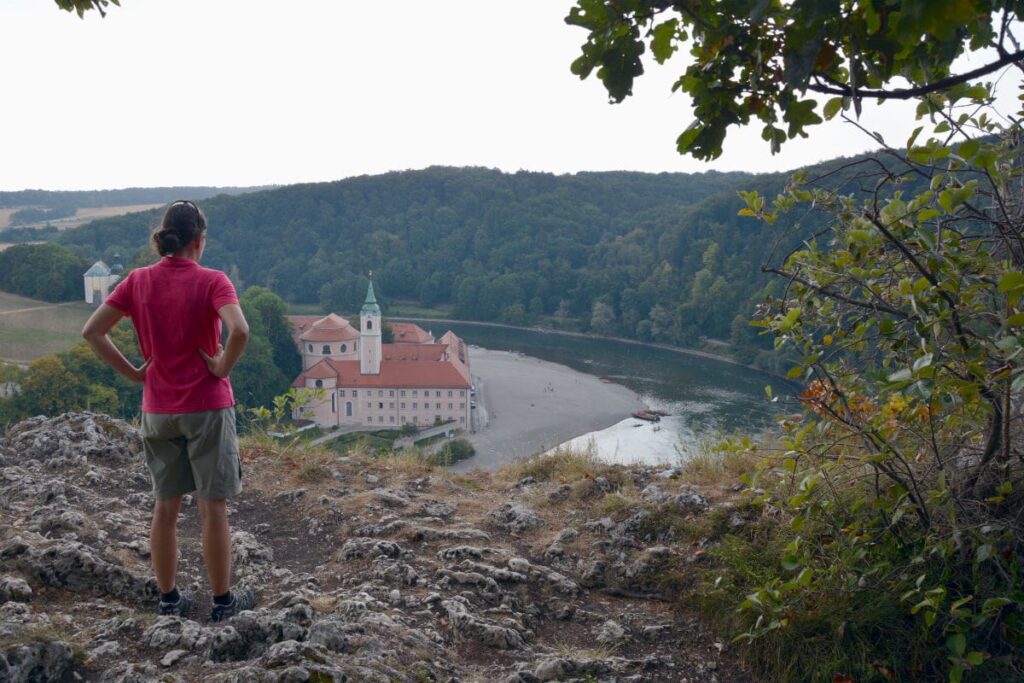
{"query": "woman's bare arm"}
{"type": "Point", "coordinates": [95, 333]}
{"type": "Point", "coordinates": [238, 336]}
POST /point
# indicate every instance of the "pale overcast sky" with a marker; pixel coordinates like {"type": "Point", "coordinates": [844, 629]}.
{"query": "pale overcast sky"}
{"type": "Point", "coordinates": [253, 92]}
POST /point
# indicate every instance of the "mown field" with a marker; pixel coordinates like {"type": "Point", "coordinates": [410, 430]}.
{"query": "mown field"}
{"type": "Point", "coordinates": [83, 216]}
{"type": "Point", "coordinates": [31, 329]}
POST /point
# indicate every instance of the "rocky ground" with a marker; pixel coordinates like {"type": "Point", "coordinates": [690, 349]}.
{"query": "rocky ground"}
{"type": "Point", "coordinates": [366, 570]}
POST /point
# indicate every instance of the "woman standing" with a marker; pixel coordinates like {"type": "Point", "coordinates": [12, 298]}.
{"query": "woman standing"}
{"type": "Point", "coordinates": [188, 414]}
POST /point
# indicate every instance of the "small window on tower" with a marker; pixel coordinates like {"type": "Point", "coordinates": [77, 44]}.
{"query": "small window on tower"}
{"type": "Point", "coordinates": [327, 349]}
{"type": "Point", "coordinates": [344, 348]}
{"type": "Point", "coordinates": [369, 324]}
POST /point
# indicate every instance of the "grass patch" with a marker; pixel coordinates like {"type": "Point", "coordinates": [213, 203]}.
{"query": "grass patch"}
{"type": "Point", "coordinates": [711, 465]}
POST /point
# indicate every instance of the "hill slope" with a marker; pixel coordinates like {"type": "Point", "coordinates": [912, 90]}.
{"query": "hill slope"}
{"type": "Point", "coordinates": [656, 257]}
{"type": "Point", "coordinates": [366, 570]}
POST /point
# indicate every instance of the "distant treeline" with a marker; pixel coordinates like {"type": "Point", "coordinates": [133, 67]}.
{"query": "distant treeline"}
{"type": "Point", "coordinates": [50, 272]}
{"type": "Point", "coordinates": [47, 199]}
{"type": "Point", "coordinates": [25, 216]}
{"type": "Point", "coordinates": [660, 257]}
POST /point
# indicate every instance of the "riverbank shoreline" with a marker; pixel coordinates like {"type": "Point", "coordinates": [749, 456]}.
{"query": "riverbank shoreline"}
{"type": "Point", "coordinates": [532, 405]}
{"type": "Point", "coordinates": [697, 353]}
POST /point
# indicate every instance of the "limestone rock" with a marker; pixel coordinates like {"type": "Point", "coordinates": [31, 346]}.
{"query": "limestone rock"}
{"type": "Point", "coordinates": [515, 518]}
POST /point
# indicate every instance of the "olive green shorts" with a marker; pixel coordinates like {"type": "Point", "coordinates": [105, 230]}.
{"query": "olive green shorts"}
{"type": "Point", "coordinates": [189, 452]}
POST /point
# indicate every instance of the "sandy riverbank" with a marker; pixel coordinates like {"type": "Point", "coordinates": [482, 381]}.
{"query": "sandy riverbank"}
{"type": "Point", "coordinates": [531, 405]}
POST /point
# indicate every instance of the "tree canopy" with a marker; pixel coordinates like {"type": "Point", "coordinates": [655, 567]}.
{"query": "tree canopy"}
{"type": "Point", "coordinates": [762, 60]}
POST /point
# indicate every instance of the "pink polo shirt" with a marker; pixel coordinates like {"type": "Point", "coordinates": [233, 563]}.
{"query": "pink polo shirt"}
{"type": "Point", "coordinates": [173, 305]}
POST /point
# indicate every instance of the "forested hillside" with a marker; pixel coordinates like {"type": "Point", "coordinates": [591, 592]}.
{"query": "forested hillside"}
{"type": "Point", "coordinates": [656, 257]}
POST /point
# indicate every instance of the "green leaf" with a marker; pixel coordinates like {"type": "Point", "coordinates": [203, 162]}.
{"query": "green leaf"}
{"type": "Point", "coordinates": [984, 552]}
{"type": "Point", "coordinates": [1011, 280]}
{"type": "Point", "coordinates": [832, 108]}
{"type": "Point", "coordinates": [976, 658]}
{"type": "Point", "coordinates": [663, 40]}
{"type": "Point", "coordinates": [790, 562]}
{"type": "Point", "coordinates": [957, 644]}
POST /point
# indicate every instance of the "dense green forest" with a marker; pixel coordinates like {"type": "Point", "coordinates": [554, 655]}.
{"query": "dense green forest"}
{"type": "Point", "coordinates": [50, 272]}
{"type": "Point", "coordinates": [660, 257]}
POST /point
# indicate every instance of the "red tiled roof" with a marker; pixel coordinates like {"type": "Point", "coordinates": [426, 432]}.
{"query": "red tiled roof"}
{"type": "Point", "coordinates": [423, 352]}
{"type": "Point", "coordinates": [331, 327]}
{"type": "Point", "coordinates": [301, 323]}
{"type": "Point", "coordinates": [393, 374]}
{"type": "Point", "coordinates": [410, 333]}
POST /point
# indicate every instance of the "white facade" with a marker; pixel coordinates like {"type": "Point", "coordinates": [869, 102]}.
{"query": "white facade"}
{"type": "Point", "coordinates": [99, 281]}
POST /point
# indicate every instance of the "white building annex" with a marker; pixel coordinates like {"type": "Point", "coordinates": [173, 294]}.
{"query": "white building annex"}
{"type": "Point", "coordinates": [414, 380]}
{"type": "Point", "coordinates": [99, 280]}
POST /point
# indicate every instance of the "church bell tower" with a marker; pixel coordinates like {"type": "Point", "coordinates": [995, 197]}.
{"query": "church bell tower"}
{"type": "Point", "coordinates": [370, 335]}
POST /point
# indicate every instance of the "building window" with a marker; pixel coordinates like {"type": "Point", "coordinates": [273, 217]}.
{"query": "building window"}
{"type": "Point", "coordinates": [355, 346]}
{"type": "Point", "coordinates": [402, 393]}
{"type": "Point", "coordinates": [327, 350]}
{"type": "Point", "coordinates": [369, 404]}
{"type": "Point", "coordinates": [369, 324]}
{"type": "Point", "coordinates": [391, 405]}
{"type": "Point", "coordinates": [344, 348]}
{"type": "Point", "coordinates": [380, 392]}
{"type": "Point", "coordinates": [462, 393]}
{"type": "Point", "coordinates": [318, 384]}
{"type": "Point", "coordinates": [310, 347]}
{"type": "Point", "coordinates": [449, 393]}
{"type": "Point", "coordinates": [462, 406]}
{"type": "Point", "coordinates": [348, 408]}
{"type": "Point", "coordinates": [437, 394]}
{"type": "Point", "coordinates": [381, 405]}
{"type": "Point", "coordinates": [380, 419]}
{"type": "Point", "coordinates": [342, 393]}
{"type": "Point", "coordinates": [391, 392]}
{"type": "Point", "coordinates": [403, 419]}
{"type": "Point", "coordinates": [415, 405]}
{"type": "Point", "coordinates": [369, 418]}
{"type": "Point", "coordinates": [450, 406]}
{"type": "Point", "coordinates": [334, 403]}
{"type": "Point", "coordinates": [414, 393]}
{"type": "Point", "coordinates": [437, 418]}
{"type": "Point", "coordinates": [391, 419]}
{"type": "Point", "coordinates": [403, 405]}
{"type": "Point", "coordinates": [355, 392]}
{"type": "Point", "coordinates": [438, 406]}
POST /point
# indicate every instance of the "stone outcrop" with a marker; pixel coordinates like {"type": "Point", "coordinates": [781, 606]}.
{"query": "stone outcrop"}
{"type": "Point", "coordinates": [397, 576]}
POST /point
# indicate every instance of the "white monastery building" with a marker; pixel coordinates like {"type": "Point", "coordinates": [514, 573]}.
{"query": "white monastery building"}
{"type": "Point", "coordinates": [99, 280]}
{"type": "Point", "coordinates": [414, 380]}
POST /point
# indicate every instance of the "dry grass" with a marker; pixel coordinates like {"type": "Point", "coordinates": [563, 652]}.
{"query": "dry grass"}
{"type": "Point", "coordinates": [27, 335]}
{"type": "Point", "coordinates": [82, 216]}
{"type": "Point", "coordinates": [564, 464]}
{"type": "Point", "coordinates": [712, 465]}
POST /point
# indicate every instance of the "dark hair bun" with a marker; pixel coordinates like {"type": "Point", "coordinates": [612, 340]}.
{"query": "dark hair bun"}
{"type": "Point", "coordinates": [167, 242]}
{"type": "Point", "coordinates": [183, 222]}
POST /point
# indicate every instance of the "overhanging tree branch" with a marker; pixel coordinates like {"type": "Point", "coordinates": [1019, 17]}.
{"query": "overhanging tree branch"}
{"type": "Point", "coordinates": [910, 93]}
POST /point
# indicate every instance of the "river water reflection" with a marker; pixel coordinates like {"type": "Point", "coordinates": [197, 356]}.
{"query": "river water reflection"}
{"type": "Point", "coordinates": [703, 396]}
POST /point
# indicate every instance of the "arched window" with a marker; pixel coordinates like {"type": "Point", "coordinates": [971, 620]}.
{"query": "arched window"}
{"type": "Point", "coordinates": [348, 408]}
{"type": "Point", "coordinates": [310, 347]}
{"type": "Point", "coordinates": [327, 349]}
{"type": "Point", "coordinates": [318, 384]}
{"type": "Point", "coordinates": [369, 324]}
{"type": "Point", "coordinates": [344, 348]}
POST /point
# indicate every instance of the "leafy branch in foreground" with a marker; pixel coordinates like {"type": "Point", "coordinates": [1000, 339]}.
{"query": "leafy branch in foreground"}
{"type": "Point", "coordinates": [82, 6]}
{"type": "Point", "coordinates": [758, 59]}
{"type": "Point", "coordinates": [903, 482]}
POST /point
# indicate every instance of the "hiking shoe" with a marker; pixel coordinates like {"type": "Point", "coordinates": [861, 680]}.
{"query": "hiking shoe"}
{"type": "Point", "coordinates": [241, 600]}
{"type": "Point", "coordinates": [184, 607]}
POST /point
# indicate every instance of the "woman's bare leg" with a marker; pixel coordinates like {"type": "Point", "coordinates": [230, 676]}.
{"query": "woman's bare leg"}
{"type": "Point", "coordinates": [216, 543]}
{"type": "Point", "coordinates": [163, 542]}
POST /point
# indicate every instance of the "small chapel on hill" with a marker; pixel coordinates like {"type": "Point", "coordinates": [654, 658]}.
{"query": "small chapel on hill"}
{"type": "Point", "coordinates": [414, 380]}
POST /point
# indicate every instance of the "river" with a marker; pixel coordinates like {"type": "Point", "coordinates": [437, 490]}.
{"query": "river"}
{"type": "Point", "coordinates": [703, 396]}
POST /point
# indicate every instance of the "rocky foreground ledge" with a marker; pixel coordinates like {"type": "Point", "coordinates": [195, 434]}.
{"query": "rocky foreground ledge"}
{"type": "Point", "coordinates": [366, 570]}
